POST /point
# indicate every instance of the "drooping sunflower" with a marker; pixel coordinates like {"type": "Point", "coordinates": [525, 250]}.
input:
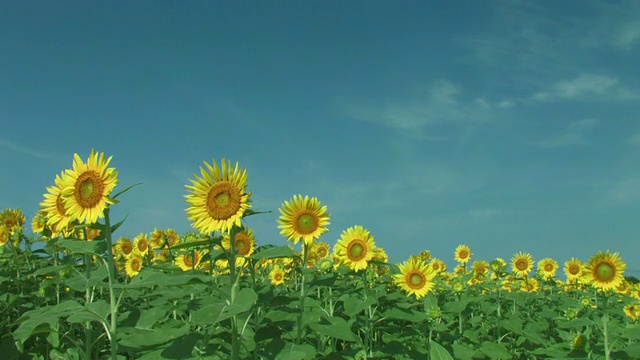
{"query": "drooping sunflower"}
{"type": "Point", "coordinates": [4, 235]}
{"type": "Point", "coordinates": [415, 278]}
{"type": "Point", "coordinates": [86, 188]}
{"type": "Point", "coordinates": [12, 219]}
{"type": "Point", "coordinates": [521, 264]}
{"type": "Point", "coordinates": [217, 199]}
{"type": "Point", "coordinates": [156, 239]}
{"type": "Point", "coordinates": [188, 261]}
{"type": "Point", "coordinates": [141, 245]}
{"type": "Point", "coordinates": [462, 254]}
{"type": "Point", "coordinates": [547, 268]}
{"type": "Point", "coordinates": [573, 269]}
{"type": "Point", "coordinates": [172, 237]}
{"type": "Point", "coordinates": [38, 222]}
{"type": "Point", "coordinates": [355, 248]}
{"type": "Point", "coordinates": [133, 265]}
{"type": "Point", "coordinates": [303, 218]}
{"type": "Point", "coordinates": [604, 271]}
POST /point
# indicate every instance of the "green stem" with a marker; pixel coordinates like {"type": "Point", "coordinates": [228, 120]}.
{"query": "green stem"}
{"type": "Point", "coordinates": [305, 254]}
{"type": "Point", "coordinates": [113, 302]}
{"type": "Point", "coordinates": [605, 330]}
{"type": "Point", "coordinates": [231, 257]}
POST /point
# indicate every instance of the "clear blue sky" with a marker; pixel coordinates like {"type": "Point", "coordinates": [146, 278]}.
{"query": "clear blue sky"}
{"type": "Point", "coordinates": [508, 126]}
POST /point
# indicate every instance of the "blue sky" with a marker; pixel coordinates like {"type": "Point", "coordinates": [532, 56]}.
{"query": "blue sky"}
{"type": "Point", "coordinates": [508, 126]}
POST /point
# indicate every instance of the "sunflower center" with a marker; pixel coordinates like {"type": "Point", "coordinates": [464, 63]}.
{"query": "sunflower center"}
{"type": "Point", "coordinates": [463, 254]}
{"type": "Point", "coordinates": [188, 260]}
{"type": "Point", "coordinates": [223, 200]}
{"type": "Point", "coordinates": [574, 269]}
{"type": "Point", "coordinates": [242, 247]}
{"type": "Point", "coordinates": [89, 189]}
{"type": "Point", "coordinates": [604, 272]}
{"type": "Point", "coordinates": [278, 276]}
{"type": "Point", "coordinates": [10, 223]}
{"type": "Point", "coordinates": [416, 280]}
{"type": "Point", "coordinates": [357, 250]}
{"type": "Point", "coordinates": [127, 248]}
{"type": "Point", "coordinates": [142, 246]}
{"type": "Point", "coordinates": [522, 265]}
{"type": "Point", "coordinates": [548, 267]}
{"type": "Point", "coordinates": [306, 223]}
{"type": "Point", "coordinates": [135, 265]}
{"type": "Point", "coordinates": [321, 252]}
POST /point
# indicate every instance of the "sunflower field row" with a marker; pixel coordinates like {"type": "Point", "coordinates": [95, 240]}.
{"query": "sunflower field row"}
{"type": "Point", "coordinates": [73, 288]}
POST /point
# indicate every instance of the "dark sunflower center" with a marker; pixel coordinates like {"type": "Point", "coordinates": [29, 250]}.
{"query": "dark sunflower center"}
{"type": "Point", "coordinates": [548, 267]}
{"type": "Point", "coordinates": [522, 264]}
{"type": "Point", "coordinates": [321, 252]}
{"type": "Point", "coordinates": [416, 280]}
{"type": "Point", "coordinates": [357, 250]}
{"type": "Point", "coordinates": [278, 276]}
{"type": "Point", "coordinates": [127, 248]}
{"type": "Point", "coordinates": [306, 223]}
{"type": "Point", "coordinates": [188, 260]}
{"type": "Point", "coordinates": [135, 265]}
{"type": "Point", "coordinates": [88, 189]}
{"type": "Point", "coordinates": [463, 254]}
{"type": "Point", "coordinates": [604, 272]}
{"type": "Point", "coordinates": [142, 246]}
{"type": "Point", "coordinates": [574, 269]}
{"type": "Point", "coordinates": [242, 247]}
{"type": "Point", "coordinates": [223, 200]}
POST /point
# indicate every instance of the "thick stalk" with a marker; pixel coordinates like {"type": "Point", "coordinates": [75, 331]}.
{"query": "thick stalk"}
{"type": "Point", "coordinates": [303, 267]}
{"type": "Point", "coordinates": [113, 302]}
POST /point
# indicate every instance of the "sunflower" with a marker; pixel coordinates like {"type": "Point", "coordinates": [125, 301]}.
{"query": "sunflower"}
{"type": "Point", "coordinates": [320, 249]}
{"type": "Point", "coordinates": [355, 248]}
{"type": "Point", "coordinates": [188, 261]}
{"type": "Point", "coordinates": [38, 222]}
{"type": "Point", "coordinates": [425, 255]}
{"type": "Point", "coordinates": [217, 199]}
{"type": "Point", "coordinates": [632, 311]}
{"type": "Point", "coordinates": [276, 275]}
{"type": "Point", "coordinates": [12, 219]}
{"type": "Point", "coordinates": [480, 268]}
{"type": "Point", "coordinates": [573, 269]}
{"type": "Point", "coordinates": [415, 278]}
{"type": "Point", "coordinates": [245, 244]}
{"type": "Point", "coordinates": [547, 268]}
{"type": "Point", "coordinates": [156, 239]}
{"type": "Point", "coordinates": [303, 218]}
{"type": "Point", "coordinates": [133, 265]}
{"type": "Point", "coordinates": [530, 285]}
{"type": "Point", "coordinates": [86, 188]}
{"type": "Point", "coordinates": [604, 271]}
{"type": "Point", "coordinates": [4, 235]}
{"type": "Point", "coordinates": [53, 207]}
{"type": "Point", "coordinates": [123, 248]}
{"type": "Point", "coordinates": [521, 264]}
{"type": "Point", "coordinates": [141, 245]}
{"type": "Point", "coordinates": [462, 254]}
{"type": "Point", "coordinates": [437, 265]}
{"type": "Point", "coordinates": [172, 237]}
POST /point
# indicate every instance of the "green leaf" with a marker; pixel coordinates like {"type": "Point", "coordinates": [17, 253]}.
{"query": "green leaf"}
{"type": "Point", "coordinates": [125, 190]}
{"type": "Point", "coordinates": [51, 269]}
{"type": "Point", "coordinates": [462, 352]}
{"type": "Point", "coordinates": [296, 352]}
{"type": "Point", "coordinates": [354, 304]}
{"type": "Point", "coordinates": [438, 352]}
{"type": "Point", "coordinates": [137, 338]}
{"type": "Point", "coordinates": [44, 319]}
{"type": "Point", "coordinates": [456, 306]}
{"type": "Point", "coordinates": [335, 327]}
{"type": "Point", "coordinates": [273, 252]}
{"type": "Point", "coordinates": [81, 246]}
{"type": "Point", "coordinates": [96, 311]}
{"type": "Point", "coordinates": [404, 314]}
{"type": "Point", "coordinates": [495, 351]}
{"type": "Point", "coordinates": [632, 333]}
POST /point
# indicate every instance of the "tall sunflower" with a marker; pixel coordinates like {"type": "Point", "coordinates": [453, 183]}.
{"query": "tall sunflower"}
{"type": "Point", "coordinates": [12, 219]}
{"type": "Point", "coordinates": [218, 198]}
{"type": "Point", "coordinates": [141, 245]}
{"type": "Point", "coordinates": [276, 275]}
{"type": "Point", "coordinates": [355, 248]}
{"type": "Point", "coordinates": [462, 254]}
{"type": "Point", "coordinates": [547, 268]}
{"type": "Point", "coordinates": [604, 270]}
{"type": "Point", "coordinates": [133, 265]}
{"type": "Point", "coordinates": [86, 188]}
{"type": "Point", "coordinates": [53, 207]}
{"type": "Point", "coordinates": [521, 264]}
{"type": "Point", "coordinates": [303, 218]}
{"type": "Point", "coordinates": [415, 278]}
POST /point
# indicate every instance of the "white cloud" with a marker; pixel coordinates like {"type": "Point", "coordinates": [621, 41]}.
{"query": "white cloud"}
{"type": "Point", "coordinates": [583, 86]}
{"type": "Point", "coordinates": [574, 134]}
{"type": "Point", "coordinates": [20, 149]}
{"type": "Point", "coordinates": [628, 34]}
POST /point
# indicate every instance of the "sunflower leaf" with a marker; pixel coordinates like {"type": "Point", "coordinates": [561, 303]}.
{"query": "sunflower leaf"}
{"type": "Point", "coordinates": [272, 253]}
{"type": "Point", "coordinates": [125, 190]}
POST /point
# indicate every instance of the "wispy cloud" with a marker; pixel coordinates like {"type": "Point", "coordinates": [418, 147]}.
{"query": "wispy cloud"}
{"type": "Point", "coordinates": [440, 103]}
{"type": "Point", "coordinates": [574, 134]}
{"type": "Point", "coordinates": [586, 86]}
{"type": "Point", "coordinates": [22, 150]}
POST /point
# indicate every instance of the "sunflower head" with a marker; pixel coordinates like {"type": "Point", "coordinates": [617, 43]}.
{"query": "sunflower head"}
{"type": "Point", "coordinates": [355, 248]}
{"type": "Point", "coordinates": [276, 275]}
{"type": "Point", "coordinates": [573, 269]}
{"type": "Point", "coordinates": [217, 198]}
{"type": "Point", "coordinates": [604, 271]}
{"type": "Point", "coordinates": [12, 219]}
{"type": "Point", "coordinates": [303, 218]}
{"type": "Point", "coordinates": [437, 265]}
{"type": "Point", "coordinates": [547, 268]}
{"type": "Point", "coordinates": [521, 264]}
{"type": "Point", "coordinates": [189, 260]}
{"type": "Point", "coordinates": [244, 244]}
{"type": "Point", "coordinates": [86, 188]}
{"type": "Point", "coordinates": [462, 254]}
{"type": "Point", "coordinates": [141, 245]}
{"type": "Point", "coordinates": [133, 265]}
{"type": "Point", "coordinates": [415, 277]}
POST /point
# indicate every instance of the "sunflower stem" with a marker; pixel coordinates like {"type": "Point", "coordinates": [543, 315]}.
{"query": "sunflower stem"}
{"type": "Point", "coordinates": [605, 329]}
{"type": "Point", "coordinates": [113, 302]}
{"type": "Point", "coordinates": [231, 256]}
{"type": "Point", "coordinates": [305, 255]}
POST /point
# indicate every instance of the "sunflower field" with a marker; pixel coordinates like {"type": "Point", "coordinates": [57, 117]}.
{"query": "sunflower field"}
{"type": "Point", "coordinates": [73, 288]}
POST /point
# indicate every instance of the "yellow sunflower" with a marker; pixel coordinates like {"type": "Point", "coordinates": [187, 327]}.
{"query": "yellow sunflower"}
{"type": "Point", "coordinates": [38, 222]}
{"type": "Point", "coordinates": [303, 218]}
{"type": "Point", "coordinates": [245, 244]}
{"type": "Point", "coordinates": [53, 207]}
{"type": "Point", "coordinates": [463, 254]}
{"type": "Point", "coordinates": [188, 261]}
{"type": "Point", "coordinates": [172, 237]}
{"type": "Point", "coordinates": [320, 249]}
{"type": "Point", "coordinates": [156, 239]}
{"type": "Point", "coordinates": [4, 235]}
{"type": "Point", "coordinates": [86, 188]}
{"type": "Point", "coordinates": [547, 268]}
{"type": "Point", "coordinates": [437, 265]}
{"type": "Point", "coordinates": [480, 268]}
{"type": "Point", "coordinates": [276, 275]}
{"type": "Point", "coordinates": [530, 285]}
{"type": "Point", "coordinates": [632, 311]}
{"type": "Point", "coordinates": [521, 264]}
{"type": "Point", "coordinates": [123, 248]}
{"type": "Point", "coordinates": [12, 219]}
{"type": "Point", "coordinates": [415, 278]}
{"type": "Point", "coordinates": [355, 248]}
{"type": "Point", "coordinates": [217, 199]}
{"type": "Point", "coordinates": [573, 269]}
{"type": "Point", "coordinates": [141, 245]}
{"type": "Point", "coordinates": [133, 265]}
{"type": "Point", "coordinates": [425, 255]}
{"type": "Point", "coordinates": [604, 271]}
